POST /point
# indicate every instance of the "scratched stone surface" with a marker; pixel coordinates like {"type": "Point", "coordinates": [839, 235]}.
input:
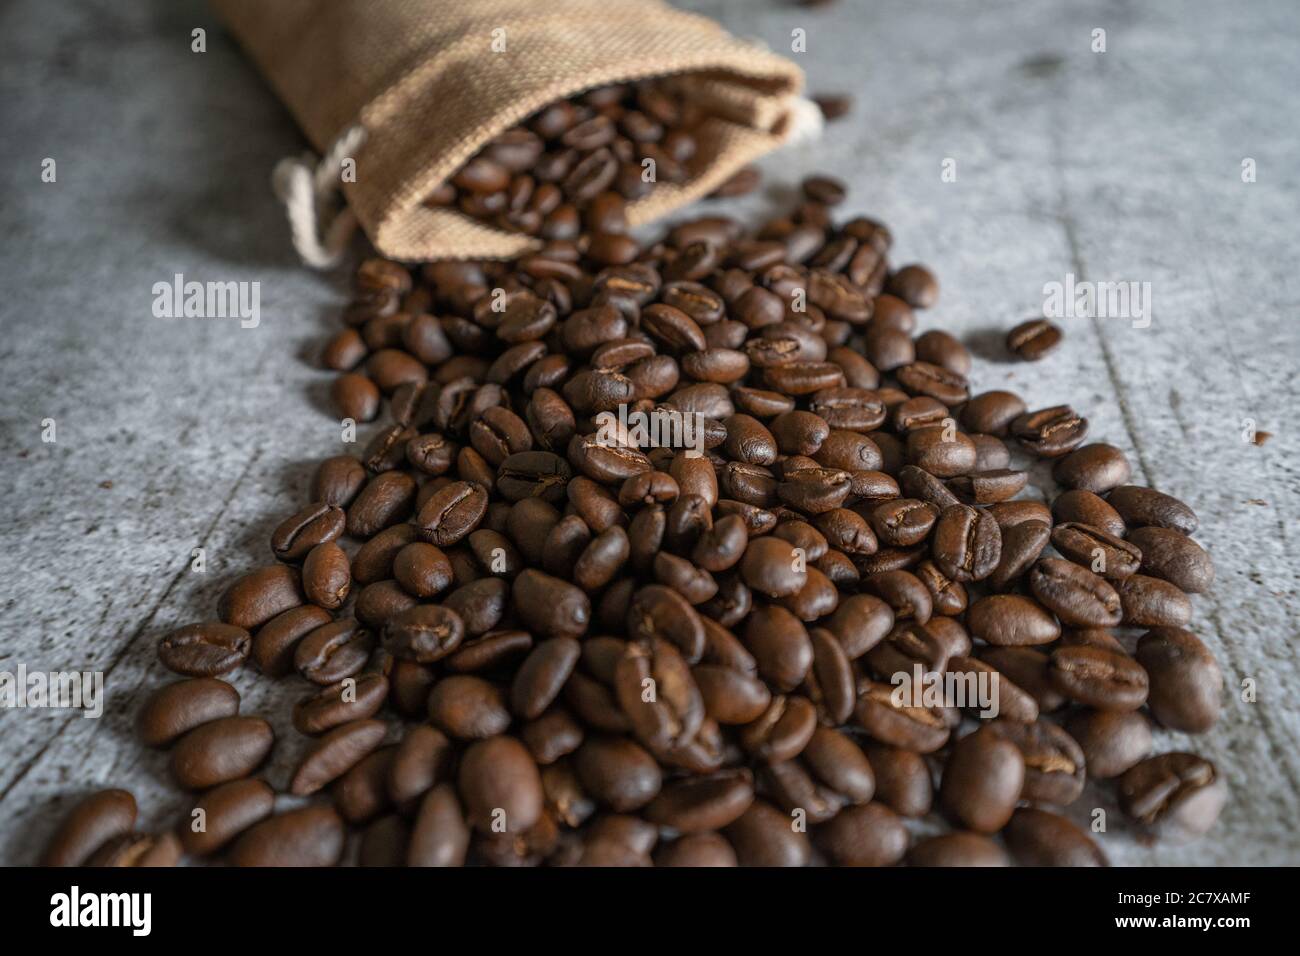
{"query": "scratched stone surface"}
{"type": "Point", "coordinates": [178, 434]}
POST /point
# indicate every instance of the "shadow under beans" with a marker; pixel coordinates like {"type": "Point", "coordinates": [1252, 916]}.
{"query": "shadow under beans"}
{"type": "Point", "coordinates": [989, 343]}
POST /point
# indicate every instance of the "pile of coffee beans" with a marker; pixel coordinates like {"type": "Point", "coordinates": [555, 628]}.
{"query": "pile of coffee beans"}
{"type": "Point", "coordinates": [525, 633]}
{"type": "Point", "coordinates": [573, 166]}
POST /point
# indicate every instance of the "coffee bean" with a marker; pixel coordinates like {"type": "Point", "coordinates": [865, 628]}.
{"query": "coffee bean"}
{"type": "Point", "coordinates": [1174, 796]}
{"type": "Point", "coordinates": [1099, 678]}
{"type": "Point", "coordinates": [335, 753]}
{"type": "Point", "coordinates": [1172, 556]}
{"type": "Point", "coordinates": [260, 595]}
{"type": "Point", "coordinates": [915, 285]}
{"type": "Point", "coordinates": [1097, 468]}
{"type": "Point", "coordinates": [92, 823]}
{"type": "Point", "coordinates": [1011, 620]}
{"type": "Point", "coordinates": [762, 836]}
{"type": "Point", "coordinates": [227, 811]}
{"type": "Point", "coordinates": [982, 781]}
{"type": "Point", "coordinates": [967, 543]}
{"type": "Point", "coordinates": [219, 751]}
{"type": "Point", "coordinates": [1111, 557]}
{"type": "Point", "coordinates": [1151, 602]}
{"type": "Point", "coordinates": [178, 708]}
{"type": "Point", "coordinates": [500, 786]}
{"type": "Point", "coordinates": [440, 835]}
{"type": "Point", "coordinates": [1078, 597]}
{"type": "Point", "coordinates": [311, 836]}
{"type": "Point", "coordinates": [1034, 340]}
{"type": "Point", "coordinates": [452, 513]}
{"type": "Point", "coordinates": [918, 729]}
{"type": "Point", "coordinates": [1148, 508]}
{"type": "Point", "coordinates": [326, 576]}
{"type": "Point", "coordinates": [1039, 838]}
{"type": "Point", "coordinates": [1186, 684]}
{"type": "Point", "coordinates": [299, 533]}
{"type": "Point", "coordinates": [959, 848]}
{"type": "Point", "coordinates": [332, 652]}
{"type": "Point", "coordinates": [902, 779]}
{"type": "Point", "coordinates": [204, 650]}
{"type": "Point", "coordinates": [866, 835]}
{"type": "Point", "coordinates": [348, 700]}
{"type": "Point", "coordinates": [1112, 741]}
{"type": "Point", "coordinates": [424, 633]}
{"type": "Point", "coordinates": [1054, 762]}
{"type": "Point", "coordinates": [1050, 432]}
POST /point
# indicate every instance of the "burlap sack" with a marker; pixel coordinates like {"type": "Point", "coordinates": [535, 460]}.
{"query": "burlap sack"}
{"type": "Point", "coordinates": [422, 79]}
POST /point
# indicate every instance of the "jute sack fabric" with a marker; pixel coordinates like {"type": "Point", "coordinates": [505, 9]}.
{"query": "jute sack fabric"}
{"type": "Point", "coordinates": [426, 83]}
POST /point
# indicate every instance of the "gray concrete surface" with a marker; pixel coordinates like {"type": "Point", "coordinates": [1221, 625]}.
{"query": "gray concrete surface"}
{"type": "Point", "coordinates": [1123, 165]}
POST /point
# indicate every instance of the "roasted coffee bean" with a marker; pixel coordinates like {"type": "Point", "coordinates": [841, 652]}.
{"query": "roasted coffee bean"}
{"type": "Point", "coordinates": [385, 500]}
{"type": "Point", "coordinates": [1097, 468]}
{"type": "Point", "coordinates": [260, 595]}
{"type": "Point", "coordinates": [959, 848]}
{"type": "Point", "coordinates": [338, 480]}
{"type": "Point", "coordinates": [424, 633]}
{"type": "Point", "coordinates": [1099, 678]}
{"type": "Point", "coordinates": [860, 622]}
{"type": "Point", "coordinates": [867, 835]}
{"type": "Point", "coordinates": [903, 521]}
{"type": "Point", "coordinates": [903, 592]}
{"type": "Point", "coordinates": [276, 640]}
{"type": "Point", "coordinates": [1054, 762]}
{"type": "Point", "coordinates": [204, 650]}
{"type": "Point", "coordinates": [1078, 597]}
{"type": "Point", "coordinates": [1172, 556]}
{"type": "Point", "coordinates": [982, 781]}
{"type": "Point", "coordinates": [783, 730]}
{"type": "Point", "coordinates": [1186, 684]}
{"type": "Point", "coordinates": [1034, 340]}
{"type": "Point", "coordinates": [335, 753]}
{"type": "Point", "coordinates": [1148, 508]}
{"type": "Point", "coordinates": [780, 645]}
{"type": "Point", "coordinates": [915, 285]}
{"type": "Point", "coordinates": [440, 835]}
{"type": "Point", "coordinates": [311, 836]}
{"type": "Point", "coordinates": [92, 823]}
{"type": "Point", "coordinates": [333, 652]}
{"type": "Point", "coordinates": [1174, 796]}
{"type": "Point", "coordinates": [1112, 741]}
{"type": "Point", "coordinates": [1111, 557]}
{"type": "Point", "coordinates": [379, 602]}
{"type": "Point", "coordinates": [991, 413]}
{"type": "Point", "coordinates": [452, 513]}
{"type": "Point", "coordinates": [326, 576]}
{"type": "Point", "coordinates": [899, 724]}
{"type": "Point", "coordinates": [1151, 602]}
{"type": "Point", "coordinates": [227, 811]}
{"type": "Point", "coordinates": [1039, 838]}
{"type": "Point", "coordinates": [1050, 432]}
{"type": "Point", "coordinates": [178, 708]}
{"type": "Point", "coordinates": [542, 675]}
{"type": "Point", "coordinates": [219, 751]}
{"type": "Point", "coordinates": [967, 543]}
{"type": "Point", "coordinates": [1006, 698]}
{"type": "Point", "coordinates": [500, 786]}
{"type": "Point", "coordinates": [762, 836]}
{"type": "Point", "coordinates": [1083, 507]}
{"type": "Point", "coordinates": [348, 700]}
{"type": "Point", "coordinates": [1011, 620]}
{"type": "Point", "coordinates": [902, 779]}
{"type": "Point", "coordinates": [923, 378]}
{"type": "Point", "coordinates": [673, 716]}
{"type": "Point", "coordinates": [1022, 543]}
{"type": "Point", "coordinates": [550, 606]}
